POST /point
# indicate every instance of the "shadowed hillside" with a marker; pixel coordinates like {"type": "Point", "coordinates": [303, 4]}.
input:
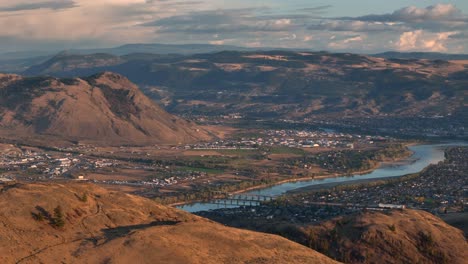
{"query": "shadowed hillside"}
{"type": "Point", "coordinates": [407, 236]}
{"type": "Point", "coordinates": [391, 236]}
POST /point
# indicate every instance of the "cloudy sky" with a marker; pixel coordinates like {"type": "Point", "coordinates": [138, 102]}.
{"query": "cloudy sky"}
{"type": "Point", "coordinates": [364, 26]}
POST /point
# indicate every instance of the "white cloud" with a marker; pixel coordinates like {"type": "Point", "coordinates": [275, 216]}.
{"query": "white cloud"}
{"type": "Point", "coordinates": [217, 42]}
{"type": "Point", "coordinates": [308, 38]}
{"type": "Point", "coordinates": [59, 24]}
{"type": "Point", "coordinates": [352, 42]}
{"type": "Point", "coordinates": [438, 12]}
{"type": "Point", "coordinates": [283, 22]}
{"type": "Point", "coordinates": [353, 39]}
{"type": "Point", "coordinates": [357, 26]}
{"type": "Point", "coordinates": [439, 42]}
{"type": "Point", "coordinates": [107, 22]}
{"type": "Point", "coordinates": [408, 40]}
{"type": "Point", "coordinates": [435, 12]}
{"type": "Point", "coordinates": [289, 37]}
{"type": "Point", "coordinates": [424, 41]}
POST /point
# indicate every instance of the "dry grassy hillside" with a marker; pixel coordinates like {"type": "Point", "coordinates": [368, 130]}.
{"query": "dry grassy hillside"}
{"type": "Point", "coordinates": [98, 226]}
{"type": "Point", "coordinates": [105, 107]}
{"type": "Point", "coordinates": [407, 236]}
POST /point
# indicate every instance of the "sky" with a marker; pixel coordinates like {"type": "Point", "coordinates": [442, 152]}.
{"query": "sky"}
{"type": "Point", "coordinates": [362, 26]}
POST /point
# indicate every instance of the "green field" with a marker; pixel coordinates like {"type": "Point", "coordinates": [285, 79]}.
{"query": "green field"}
{"type": "Point", "coordinates": [286, 150]}
{"type": "Point", "coordinates": [206, 170]}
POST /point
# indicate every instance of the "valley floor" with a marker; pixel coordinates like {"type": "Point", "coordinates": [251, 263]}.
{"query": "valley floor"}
{"type": "Point", "coordinates": [192, 172]}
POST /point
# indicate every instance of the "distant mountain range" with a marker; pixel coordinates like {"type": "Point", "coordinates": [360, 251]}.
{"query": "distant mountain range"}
{"type": "Point", "coordinates": [15, 62]}
{"type": "Point", "coordinates": [21, 64]}
{"type": "Point", "coordinates": [105, 107]}
{"type": "Point", "coordinates": [183, 49]}
{"type": "Point", "coordinates": [421, 55]}
{"type": "Point", "coordinates": [282, 84]}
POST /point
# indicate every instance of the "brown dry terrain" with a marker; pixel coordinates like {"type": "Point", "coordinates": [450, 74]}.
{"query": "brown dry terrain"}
{"type": "Point", "coordinates": [106, 107]}
{"type": "Point", "coordinates": [407, 236]}
{"type": "Point", "coordinates": [111, 227]}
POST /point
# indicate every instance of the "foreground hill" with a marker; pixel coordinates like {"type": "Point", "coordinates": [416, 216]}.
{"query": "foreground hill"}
{"type": "Point", "coordinates": [98, 226]}
{"type": "Point", "coordinates": [105, 107]}
{"type": "Point", "coordinates": [284, 84]}
{"type": "Point", "coordinates": [407, 236]}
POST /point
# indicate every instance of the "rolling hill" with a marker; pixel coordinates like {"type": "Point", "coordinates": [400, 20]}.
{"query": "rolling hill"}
{"type": "Point", "coordinates": [17, 62]}
{"type": "Point", "coordinates": [390, 236]}
{"type": "Point", "coordinates": [407, 236]}
{"type": "Point", "coordinates": [82, 223]}
{"type": "Point", "coordinates": [284, 84]}
{"type": "Point", "coordinates": [421, 55]}
{"type": "Point", "coordinates": [105, 107]}
{"type": "Point", "coordinates": [20, 65]}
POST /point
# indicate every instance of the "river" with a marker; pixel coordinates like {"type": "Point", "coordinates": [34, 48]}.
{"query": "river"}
{"type": "Point", "coordinates": [423, 155]}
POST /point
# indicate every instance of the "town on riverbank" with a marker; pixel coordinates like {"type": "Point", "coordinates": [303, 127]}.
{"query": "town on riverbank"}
{"type": "Point", "coordinates": [441, 189]}
{"type": "Point", "coordinates": [242, 160]}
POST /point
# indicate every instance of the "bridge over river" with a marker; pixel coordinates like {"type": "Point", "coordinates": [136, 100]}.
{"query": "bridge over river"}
{"type": "Point", "coordinates": [230, 200]}
{"type": "Point", "coordinates": [236, 200]}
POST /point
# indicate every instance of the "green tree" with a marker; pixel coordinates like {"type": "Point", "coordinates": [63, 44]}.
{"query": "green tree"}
{"type": "Point", "coordinates": [84, 197]}
{"type": "Point", "coordinates": [58, 219]}
{"type": "Point", "coordinates": [38, 216]}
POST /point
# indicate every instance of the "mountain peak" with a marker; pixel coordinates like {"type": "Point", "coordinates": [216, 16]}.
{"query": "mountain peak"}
{"type": "Point", "coordinates": [110, 76]}
{"type": "Point", "coordinates": [104, 107]}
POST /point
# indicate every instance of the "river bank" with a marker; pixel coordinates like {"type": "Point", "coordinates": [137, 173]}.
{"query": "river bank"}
{"type": "Point", "coordinates": [387, 161]}
{"type": "Point", "coordinates": [263, 186]}
{"type": "Point", "coordinates": [422, 156]}
{"type": "Point", "coordinates": [325, 186]}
